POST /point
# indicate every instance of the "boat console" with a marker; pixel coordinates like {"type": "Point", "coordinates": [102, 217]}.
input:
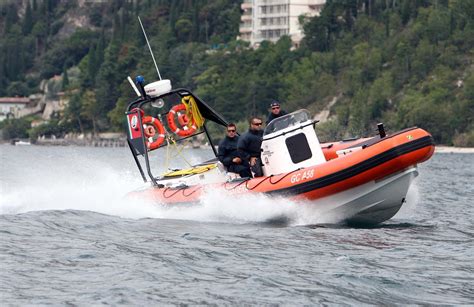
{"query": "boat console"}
{"type": "Point", "coordinates": [290, 142]}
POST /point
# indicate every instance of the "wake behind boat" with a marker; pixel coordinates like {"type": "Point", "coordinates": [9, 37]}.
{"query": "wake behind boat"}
{"type": "Point", "coordinates": [358, 181]}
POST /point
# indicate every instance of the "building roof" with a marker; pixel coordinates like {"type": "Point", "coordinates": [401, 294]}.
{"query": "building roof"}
{"type": "Point", "coordinates": [17, 100]}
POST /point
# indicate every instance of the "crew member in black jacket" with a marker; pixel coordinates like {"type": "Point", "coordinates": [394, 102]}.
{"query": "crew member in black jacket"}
{"type": "Point", "coordinates": [275, 111]}
{"type": "Point", "coordinates": [250, 145]}
{"type": "Point", "coordinates": [230, 156]}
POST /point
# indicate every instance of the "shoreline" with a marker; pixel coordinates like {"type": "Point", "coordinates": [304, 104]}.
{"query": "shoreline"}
{"type": "Point", "coordinates": [451, 149]}
{"type": "Point", "coordinates": [122, 142]}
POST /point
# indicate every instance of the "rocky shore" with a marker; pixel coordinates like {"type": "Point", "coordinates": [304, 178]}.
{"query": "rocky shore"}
{"type": "Point", "coordinates": [108, 139]}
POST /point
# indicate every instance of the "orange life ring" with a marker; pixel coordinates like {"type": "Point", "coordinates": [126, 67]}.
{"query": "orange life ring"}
{"type": "Point", "coordinates": [183, 121]}
{"type": "Point", "coordinates": [150, 126]}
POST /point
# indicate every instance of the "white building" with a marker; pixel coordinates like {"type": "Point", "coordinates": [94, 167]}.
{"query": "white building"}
{"type": "Point", "coordinates": [11, 106]}
{"type": "Point", "coordinates": [270, 19]}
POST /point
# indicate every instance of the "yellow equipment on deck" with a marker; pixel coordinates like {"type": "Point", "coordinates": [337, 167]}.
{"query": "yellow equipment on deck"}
{"type": "Point", "coordinates": [191, 171]}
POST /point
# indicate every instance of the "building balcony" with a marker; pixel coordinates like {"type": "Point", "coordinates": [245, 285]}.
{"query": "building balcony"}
{"type": "Point", "coordinates": [246, 5]}
{"type": "Point", "coordinates": [274, 14]}
{"type": "Point", "coordinates": [245, 27]}
{"type": "Point", "coordinates": [245, 37]}
{"type": "Point", "coordinates": [273, 27]}
{"type": "Point", "coordinates": [270, 2]}
{"type": "Point", "coordinates": [244, 30]}
{"type": "Point", "coordinates": [246, 17]}
{"type": "Point", "coordinates": [260, 38]}
{"type": "Point", "coordinates": [316, 2]}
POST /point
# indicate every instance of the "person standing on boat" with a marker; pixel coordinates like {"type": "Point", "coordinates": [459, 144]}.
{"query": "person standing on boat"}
{"type": "Point", "coordinates": [275, 111]}
{"type": "Point", "coordinates": [230, 156]}
{"type": "Point", "coordinates": [250, 145]}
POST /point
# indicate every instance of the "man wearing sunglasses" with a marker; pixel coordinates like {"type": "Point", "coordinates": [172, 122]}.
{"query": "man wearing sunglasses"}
{"type": "Point", "coordinates": [230, 156]}
{"type": "Point", "coordinates": [275, 111]}
{"type": "Point", "coordinates": [250, 143]}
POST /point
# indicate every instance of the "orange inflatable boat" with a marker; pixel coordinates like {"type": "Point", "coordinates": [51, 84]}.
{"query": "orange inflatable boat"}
{"type": "Point", "coordinates": [355, 181]}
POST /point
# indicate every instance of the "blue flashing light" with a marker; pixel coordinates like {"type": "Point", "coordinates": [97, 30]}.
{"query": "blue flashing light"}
{"type": "Point", "coordinates": [140, 80]}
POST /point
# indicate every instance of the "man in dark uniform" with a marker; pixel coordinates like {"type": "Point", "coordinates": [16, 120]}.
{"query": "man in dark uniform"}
{"type": "Point", "coordinates": [275, 111]}
{"type": "Point", "coordinates": [250, 144]}
{"type": "Point", "coordinates": [229, 155]}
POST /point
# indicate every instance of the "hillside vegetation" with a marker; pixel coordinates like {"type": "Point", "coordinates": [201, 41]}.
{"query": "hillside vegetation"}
{"type": "Point", "coordinates": [400, 62]}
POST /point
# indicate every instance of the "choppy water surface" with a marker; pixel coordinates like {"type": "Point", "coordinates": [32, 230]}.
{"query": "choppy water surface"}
{"type": "Point", "coordinates": [68, 236]}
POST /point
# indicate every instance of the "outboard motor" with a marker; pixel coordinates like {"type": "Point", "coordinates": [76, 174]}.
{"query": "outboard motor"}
{"type": "Point", "coordinates": [289, 143]}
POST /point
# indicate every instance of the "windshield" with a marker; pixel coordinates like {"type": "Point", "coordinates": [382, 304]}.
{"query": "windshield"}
{"type": "Point", "coordinates": [286, 121]}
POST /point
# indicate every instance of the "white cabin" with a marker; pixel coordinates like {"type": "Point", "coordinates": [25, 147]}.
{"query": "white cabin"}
{"type": "Point", "coordinates": [289, 143]}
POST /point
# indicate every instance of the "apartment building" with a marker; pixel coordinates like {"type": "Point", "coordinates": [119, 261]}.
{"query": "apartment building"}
{"type": "Point", "coordinates": [270, 19]}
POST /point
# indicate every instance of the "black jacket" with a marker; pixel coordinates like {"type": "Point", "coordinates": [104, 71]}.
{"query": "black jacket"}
{"type": "Point", "coordinates": [272, 116]}
{"type": "Point", "coordinates": [228, 150]}
{"type": "Point", "coordinates": [250, 143]}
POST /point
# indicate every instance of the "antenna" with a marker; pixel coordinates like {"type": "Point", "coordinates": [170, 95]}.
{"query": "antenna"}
{"type": "Point", "coordinates": [149, 47]}
{"type": "Point", "coordinates": [134, 86]}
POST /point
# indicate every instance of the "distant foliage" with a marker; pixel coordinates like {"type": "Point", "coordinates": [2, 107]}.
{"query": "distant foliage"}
{"type": "Point", "coordinates": [15, 128]}
{"type": "Point", "coordinates": [402, 62]}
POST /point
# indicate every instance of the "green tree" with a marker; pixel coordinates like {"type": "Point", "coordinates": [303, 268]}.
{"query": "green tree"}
{"type": "Point", "coordinates": [424, 58]}
{"type": "Point", "coordinates": [90, 109]}
{"type": "Point", "coordinates": [438, 25]}
{"type": "Point", "coordinates": [183, 29]}
{"type": "Point", "coordinates": [15, 128]}
{"type": "Point", "coordinates": [109, 76]}
{"type": "Point", "coordinates": [92, 66]}
{"type": "Point", "coordinates": [28, 20]}
{"type": "Point", "coordinates": [73, 112]}
{"type": "Point", "coordinates": [17, 88]}
{"type": "Point", "coordinates": [380, 97]}
{"type": "Point", "coordinates": [3, 79]}
{"type": "Point", "coordinates": [11, 17]}
{"type": "Point", "coordinates": [65, 81]}
{"type": "Point", "coordinates": [117, 115]}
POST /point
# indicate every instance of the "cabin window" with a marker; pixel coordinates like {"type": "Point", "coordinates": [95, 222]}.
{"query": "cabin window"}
{"type": "Point", "coordinates": [298, 148]}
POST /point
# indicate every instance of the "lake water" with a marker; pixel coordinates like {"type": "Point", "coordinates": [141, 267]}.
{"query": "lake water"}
{"type": "Point", "coordinates": [67, 236]}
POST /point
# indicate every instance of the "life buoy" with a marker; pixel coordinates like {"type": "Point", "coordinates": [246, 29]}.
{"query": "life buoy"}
{"type": "Point", "coordinates": [183, 119]}
{"type": "Point", "coordinates": [184, 130]}
{"type": "Point", "coordinates": [150, 127]}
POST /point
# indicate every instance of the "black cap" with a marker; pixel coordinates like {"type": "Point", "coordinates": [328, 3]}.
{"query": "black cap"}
{"type": "Point", "coordinates": [275, 104]}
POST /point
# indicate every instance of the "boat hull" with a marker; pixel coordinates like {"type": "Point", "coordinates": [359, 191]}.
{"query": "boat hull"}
{"type": "Point", "coordinates": [368, 204]}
